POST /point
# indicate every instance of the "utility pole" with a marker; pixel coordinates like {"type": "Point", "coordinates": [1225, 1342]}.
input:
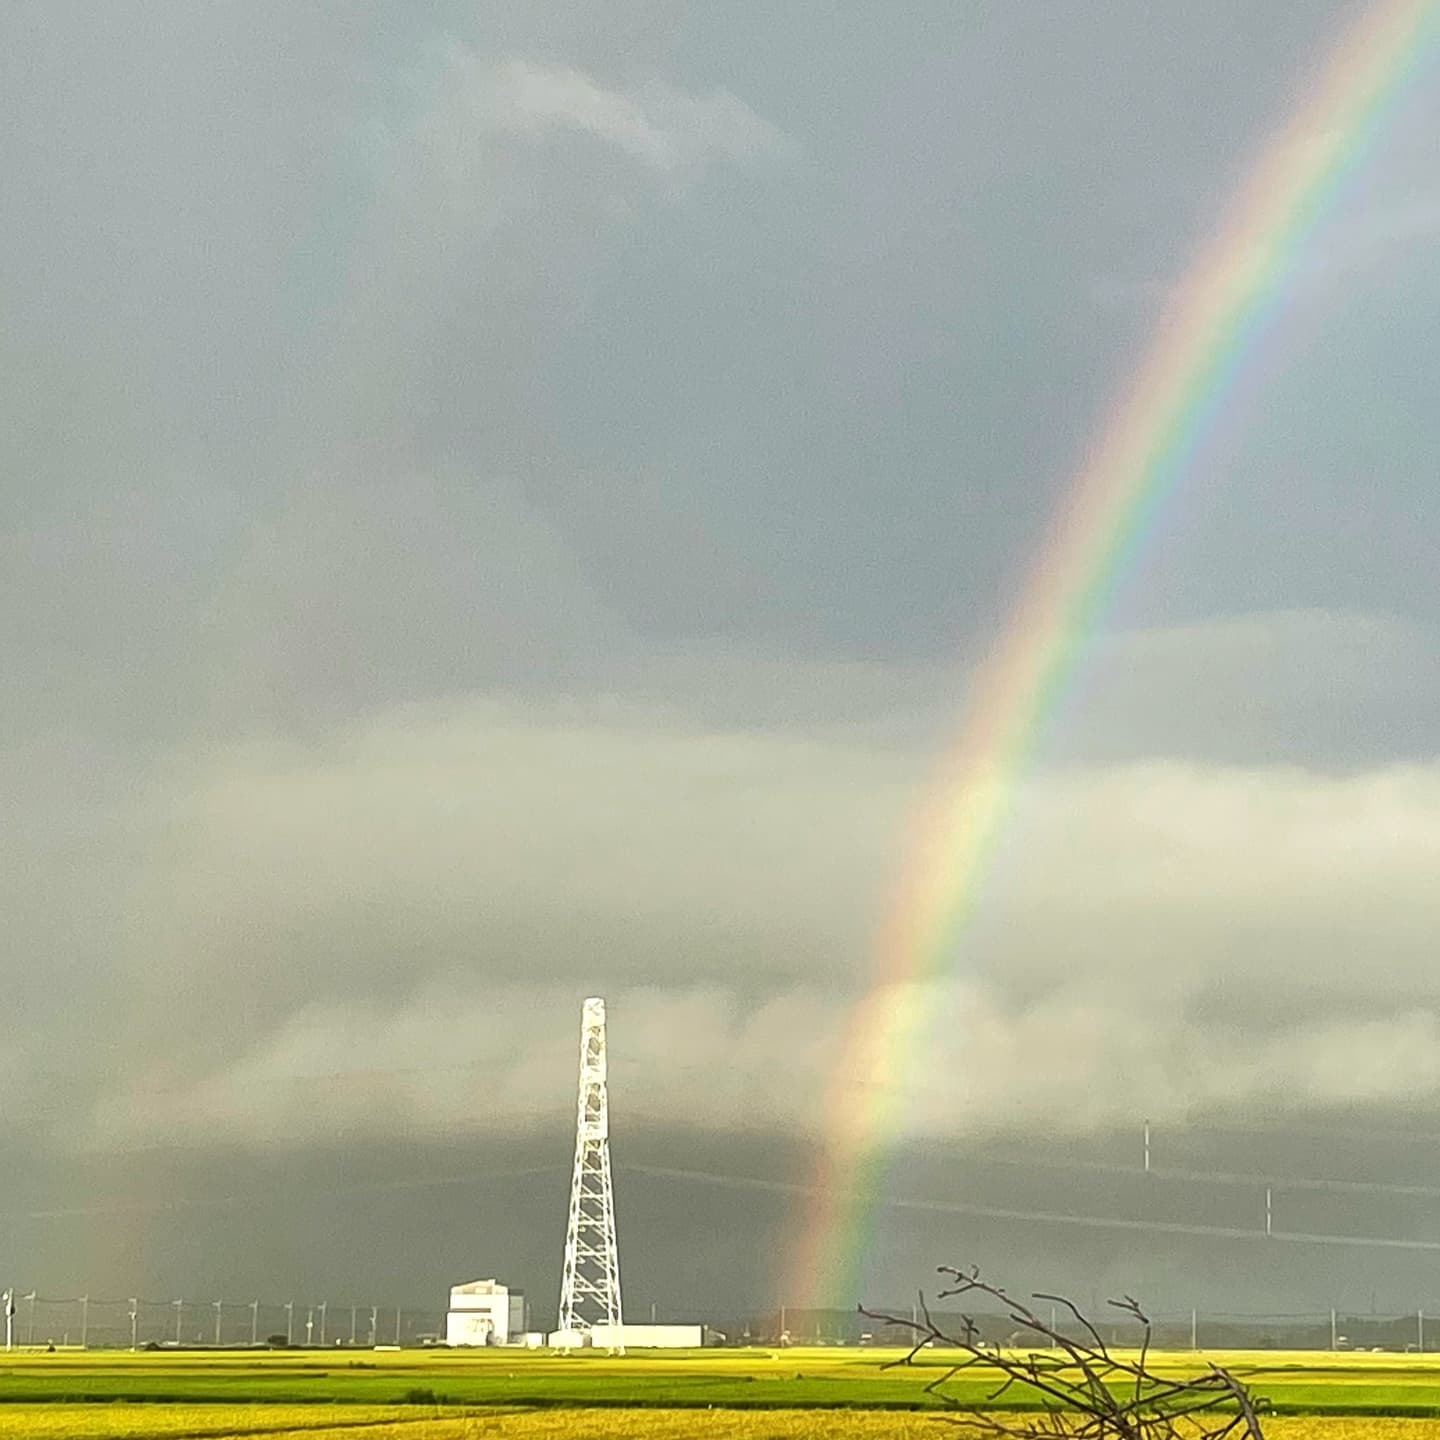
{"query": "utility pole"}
{"type": "Point", "coordinates": [590, 1288]}
{"type": "Point", "coordinates": [134, 1322]}
{"type": "Point", "coordinates": [254, 1322]}
{"type": "Point", "coordinates": [84, 1321]}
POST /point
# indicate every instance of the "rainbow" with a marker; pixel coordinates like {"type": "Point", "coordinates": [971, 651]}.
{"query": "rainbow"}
{"type": "Point", "coordinates": [1143, 450]}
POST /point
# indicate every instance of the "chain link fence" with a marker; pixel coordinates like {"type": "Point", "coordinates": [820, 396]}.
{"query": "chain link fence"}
{"type": "Point", "coordinates": [140, 1323]}
{"type": "Point", "coordinates": [1338, 1329]}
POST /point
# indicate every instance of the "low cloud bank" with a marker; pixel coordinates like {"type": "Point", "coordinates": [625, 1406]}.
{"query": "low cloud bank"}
{"type": "Point", "coordinates": [392, 928]}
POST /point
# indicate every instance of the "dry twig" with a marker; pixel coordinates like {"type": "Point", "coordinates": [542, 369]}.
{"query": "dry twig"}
{"type": "Point", "coordinates": [1055, 1383]}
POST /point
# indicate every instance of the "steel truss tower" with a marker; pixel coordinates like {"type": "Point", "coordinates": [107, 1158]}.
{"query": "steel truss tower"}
{"type": "Point", "coordinates": [590, 1290]}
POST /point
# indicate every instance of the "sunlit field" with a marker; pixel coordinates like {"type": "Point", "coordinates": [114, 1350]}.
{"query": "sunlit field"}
{"type": "Point", "coordinates": [525, 1395]}
{"type": "Point", "coordinates": [123, 1421]}
{"type": "Point", "coordinates": [170, 1422]}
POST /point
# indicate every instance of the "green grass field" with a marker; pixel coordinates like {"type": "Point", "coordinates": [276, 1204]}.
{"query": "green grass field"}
{"type": "Point", "coordinates": [798, 1394]}
{"type": "Point", "coordinates": [300, 1422]}
{"type": "Point", "coordinates": [1294, 1383]}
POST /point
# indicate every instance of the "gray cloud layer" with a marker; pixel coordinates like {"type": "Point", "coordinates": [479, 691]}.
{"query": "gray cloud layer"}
{"type": "Point", "coordinates": [498, 506]}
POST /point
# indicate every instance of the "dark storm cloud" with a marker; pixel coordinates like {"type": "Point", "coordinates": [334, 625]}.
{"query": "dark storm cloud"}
{"type": "Point", "coordinates": [500, 504]}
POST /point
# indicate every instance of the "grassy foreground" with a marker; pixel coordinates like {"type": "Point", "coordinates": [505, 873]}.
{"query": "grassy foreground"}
{"type": "Point", "coordinates": [519, 1395]}
{"type": "Point", "coordinates": [282, 1422]}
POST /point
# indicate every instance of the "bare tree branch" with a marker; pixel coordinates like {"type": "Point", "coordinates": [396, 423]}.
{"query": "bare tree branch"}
{"type": "Point", "coordinates": [1050, 1383]}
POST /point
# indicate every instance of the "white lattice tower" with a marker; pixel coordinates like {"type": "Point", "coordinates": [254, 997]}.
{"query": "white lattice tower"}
{"type": "Point", "coordinates": [590, 1289]}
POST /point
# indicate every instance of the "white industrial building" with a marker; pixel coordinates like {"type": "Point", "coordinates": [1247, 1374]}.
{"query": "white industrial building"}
{"type": "Point", "coordinates": [485, 1312]}
{"type": "Point", "coordinates": [631, 1337]}
{"type": "Point", "coordinates": [648, 1337]}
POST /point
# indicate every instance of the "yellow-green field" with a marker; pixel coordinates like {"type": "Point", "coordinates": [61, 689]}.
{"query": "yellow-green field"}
{"type": "Point", "coordinates": [797, 1394]}
{"type": "Point", "coordinates": [1292, 1382]}
{"type": "Point", "coordinates": [304, 1422]}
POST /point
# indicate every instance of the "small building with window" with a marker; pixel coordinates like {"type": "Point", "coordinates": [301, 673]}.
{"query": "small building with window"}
{"type": "Point", "coordinates": [485, 1312]}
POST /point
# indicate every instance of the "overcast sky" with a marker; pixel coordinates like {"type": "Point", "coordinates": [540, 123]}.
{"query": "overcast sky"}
{"type": "Point", "coordinates": [499, 503]}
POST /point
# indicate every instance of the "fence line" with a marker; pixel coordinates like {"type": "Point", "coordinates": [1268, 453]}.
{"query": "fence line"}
{"type": "Point", "coordinates": [144, 1323]}
{"type": "Point", "coordinates": [139, 1322]}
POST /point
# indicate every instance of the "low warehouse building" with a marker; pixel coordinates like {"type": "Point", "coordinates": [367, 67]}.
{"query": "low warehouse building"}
{"type": "Point", "coordinates": [647, 1337]}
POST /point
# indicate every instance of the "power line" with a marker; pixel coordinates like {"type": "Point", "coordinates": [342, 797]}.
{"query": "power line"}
{"type": "Point", "coordinates": [1214, 1177]}
{"type": "Point", "coordinates": [1047, 1217]}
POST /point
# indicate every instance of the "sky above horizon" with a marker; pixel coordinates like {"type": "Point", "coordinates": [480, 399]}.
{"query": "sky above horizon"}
{"type": "Point", "coordinates": [500, 504]}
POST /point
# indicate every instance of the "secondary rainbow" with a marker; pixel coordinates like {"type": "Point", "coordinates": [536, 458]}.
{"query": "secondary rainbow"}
{"type": "Point", "coordinates": [1224, 304]}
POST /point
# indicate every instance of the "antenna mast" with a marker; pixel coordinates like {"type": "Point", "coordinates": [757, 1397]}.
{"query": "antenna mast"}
{"type": "Point", "coordinates": [590, 1289]}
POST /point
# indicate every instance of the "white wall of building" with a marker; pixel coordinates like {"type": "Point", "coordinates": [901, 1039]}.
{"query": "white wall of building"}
{"type": "Point", "coordinates": [469, 1327]}
{"type": "Point", "coordinates": [484, 1312]}
{"type": "Point", "coordinates": [647, 1337]}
